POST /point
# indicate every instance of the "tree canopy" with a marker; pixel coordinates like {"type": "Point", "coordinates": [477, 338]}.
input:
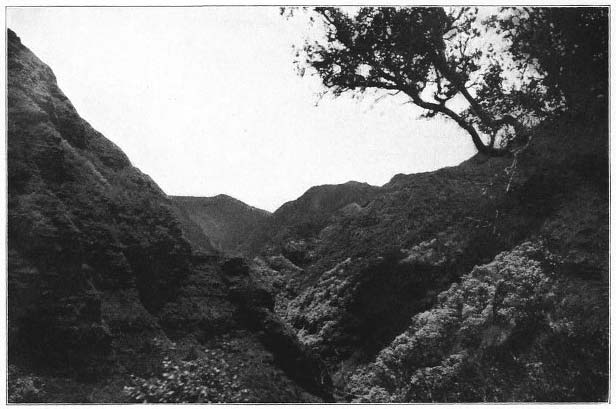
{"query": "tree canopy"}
{"type": "Point", "coordinates": [440, 57]}
{"type": "Point", "coordinates": [569, 44]}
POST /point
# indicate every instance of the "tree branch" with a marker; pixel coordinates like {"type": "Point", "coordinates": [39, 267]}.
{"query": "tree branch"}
{"type": "Point", "coordinates": [481, 147]}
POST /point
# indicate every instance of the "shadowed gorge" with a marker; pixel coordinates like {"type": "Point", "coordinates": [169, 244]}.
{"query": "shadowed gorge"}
{"type": "Point", "coordinates": [482, 282]}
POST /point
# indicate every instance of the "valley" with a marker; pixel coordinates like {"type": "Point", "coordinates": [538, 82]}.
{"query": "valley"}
{"type": "Point", "coordinates": [483, 282]}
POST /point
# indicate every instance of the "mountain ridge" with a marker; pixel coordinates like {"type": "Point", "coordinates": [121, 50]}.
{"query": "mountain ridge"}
{"type": "Point", "coordinates": [226, 221]}
{"type": "Point", "coordinates": [486, 281]}
{"type": "Point", "coordinates": [103, 286]}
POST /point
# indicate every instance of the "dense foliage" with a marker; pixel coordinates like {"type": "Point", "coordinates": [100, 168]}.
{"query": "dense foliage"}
{"type": "Point", "coordinates": [568, 45]}
{"type": "Point", "coordinates": [378, 286]}
{"type": "Point", "coordinates": [24, 388]}
{"type": "Point", "coordinates": [511, 330]}
{"type": "Point", "coordinates": [443, 59]}
{"type": "Point", "coordinates": [204, 380]}
{"type": "Point", "coordinates": [231, 368]}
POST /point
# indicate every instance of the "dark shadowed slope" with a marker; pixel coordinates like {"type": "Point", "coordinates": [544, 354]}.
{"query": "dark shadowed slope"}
{"type": "Point", "coordinates": [227, 222]}
{"type": "Point", "coordinates": [102, 283]}
{"type": "Point", "coordinates": [234, 227]}
{"type": "Point", "coordinates": [355, 287]}
{"type": "Point", "coordinates": [312, 209]}
{"type": "Point", "coordinates": [480, 282]}
{"type": "Point", "coordinates": [295, 225]}
{"type": "Point", "coordinates": [87, 231]}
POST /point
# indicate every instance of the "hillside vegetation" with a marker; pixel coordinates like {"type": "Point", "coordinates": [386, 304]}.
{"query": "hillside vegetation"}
{"type": "Point", "coordinates": [482, 282]}
{"type": "Point", "coordinates": [105, 293]}
{"type": "Point", "coordinates": [385, 272]}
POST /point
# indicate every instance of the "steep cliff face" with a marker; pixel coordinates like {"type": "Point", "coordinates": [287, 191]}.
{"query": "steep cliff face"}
{"type": "Point", "coordinates": [101, 280]}
{"type": "Point", "coordinates": [228, 223]}
{"type": "Point", "coordinates": [367, 273]}
{"type": "Point", "coordinates": [87, 231]}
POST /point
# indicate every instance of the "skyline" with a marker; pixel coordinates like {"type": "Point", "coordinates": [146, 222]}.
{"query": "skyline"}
{"type": "Point", "coordinates": [208, 102]}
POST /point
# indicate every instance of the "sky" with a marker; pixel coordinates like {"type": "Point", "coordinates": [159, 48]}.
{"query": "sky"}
{"type": "Point", "coordinates": [206, 100]}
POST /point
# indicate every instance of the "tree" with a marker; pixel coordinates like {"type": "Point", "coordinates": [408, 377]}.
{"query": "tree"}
{"type": "Point", "coordinates": [429, 55]}
{"type": "Point", "coordinates": [568, 44]}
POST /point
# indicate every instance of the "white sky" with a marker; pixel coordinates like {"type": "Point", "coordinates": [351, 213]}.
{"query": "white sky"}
{"type": "Point", "coordinates": [206, 101]}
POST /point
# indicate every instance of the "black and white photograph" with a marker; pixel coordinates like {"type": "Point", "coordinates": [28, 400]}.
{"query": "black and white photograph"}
{"type": "Point", "coordinates": [307, 204]}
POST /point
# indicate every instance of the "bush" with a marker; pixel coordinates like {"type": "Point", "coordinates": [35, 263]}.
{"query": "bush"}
{"type": "Point", "coordinates": [511, 330]}
{"type": "Point", "coordinates": [200, 380]}
{"type": "Point", "coordinates": [24, 388]}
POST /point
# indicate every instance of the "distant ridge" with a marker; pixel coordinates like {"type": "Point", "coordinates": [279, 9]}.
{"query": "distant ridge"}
{"type": "Point", "coordinates": [226, 221]}
{"type": "Point", "coordinates": [306, 216]}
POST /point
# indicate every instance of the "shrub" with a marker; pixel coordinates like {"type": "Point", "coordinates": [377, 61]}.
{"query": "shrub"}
{"type": "Point", "coordinates": [24, 388]}
{"type": "Point", "coordinates": [511, 330]}
{"type": "Point", "coordinates": [200, 380]}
